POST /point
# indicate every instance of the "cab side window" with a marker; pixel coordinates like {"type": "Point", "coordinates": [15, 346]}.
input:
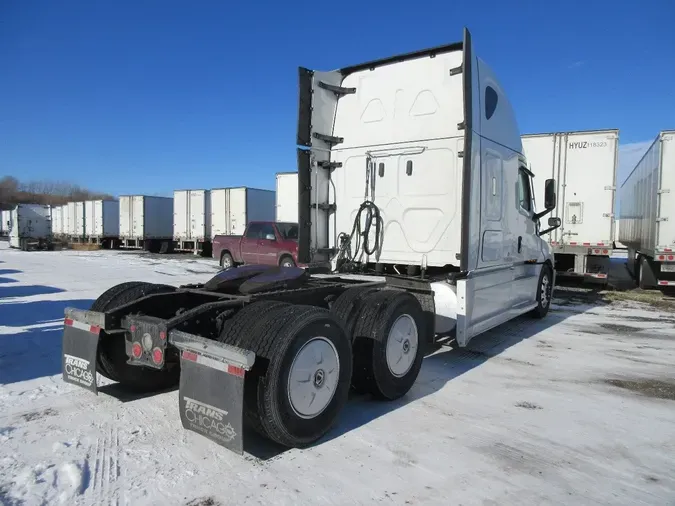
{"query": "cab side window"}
{"type": "Point", "coordinates": [266, 230]}
{"type": "Point", "coordinates": [253, 231]}
{"type": "Point", "coordinates": [524, 193]}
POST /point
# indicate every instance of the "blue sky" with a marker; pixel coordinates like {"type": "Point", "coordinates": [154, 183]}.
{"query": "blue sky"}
{"type": "Point", "coordinates": [150, 96]}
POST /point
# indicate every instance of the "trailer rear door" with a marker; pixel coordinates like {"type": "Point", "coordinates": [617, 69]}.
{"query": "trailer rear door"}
{"type": "Point", "coordinates": [587, 184]}
{"type": "Point", "coordinates": [665, 220]}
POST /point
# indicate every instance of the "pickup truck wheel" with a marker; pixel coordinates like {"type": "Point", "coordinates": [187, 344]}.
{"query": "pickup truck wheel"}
{"type": "Point", "coordinates": [544, 292]}
{"type": "Point", "coordinates": [306, 383]}
{"type": "Point", "coordinates": [226, 261]}
{"type": "Point", "coordinates": [112, 357]}
{"type": "Point", "coordinates": [286, 261]}
{"type": "Point", "coordinates": [388, 346]}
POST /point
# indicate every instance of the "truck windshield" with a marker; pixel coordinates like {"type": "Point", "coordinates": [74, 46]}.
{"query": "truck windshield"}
{"type": "Point", "coordinates": [288, 230]}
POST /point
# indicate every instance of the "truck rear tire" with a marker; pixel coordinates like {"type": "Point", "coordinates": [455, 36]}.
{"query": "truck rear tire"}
{"type": "Point", "coordinates": [544, 292]}
{"type": "Point", "coordinates": [389, 344]}
{"type": "Point", "coordinates": [112, 357]}
{"type": "Point", "coordinates": [305, 384]}
{"type": "Point", "coordinates": [348, 306]}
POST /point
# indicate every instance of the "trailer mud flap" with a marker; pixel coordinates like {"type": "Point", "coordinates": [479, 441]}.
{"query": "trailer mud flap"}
{"type": "Point", "coordinates": [211, 389]}
{"type": "Point", "coordinates": [81, 332]}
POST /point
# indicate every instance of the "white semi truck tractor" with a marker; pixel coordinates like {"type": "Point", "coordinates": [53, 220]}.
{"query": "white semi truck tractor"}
{"type": "Point", "coordinates": [416, 217]}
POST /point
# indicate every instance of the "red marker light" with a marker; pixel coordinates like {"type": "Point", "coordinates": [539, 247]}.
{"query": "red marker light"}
{"type": "Point", "coordinates": [605, 251]}
{"type": "Point", "coordinates": [136, 350]}
{"type": "Point", "coordinates": [157, 356]}
{"type": "Point", "coordinates": [162, 335]}
{"type": "Point", "coordinates": [671, 257]}
{"type": "Point", "coordinates": [132, 328]}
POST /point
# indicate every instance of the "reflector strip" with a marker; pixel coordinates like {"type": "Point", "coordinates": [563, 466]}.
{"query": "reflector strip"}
{"type": "Point", "coordinates": [213, 364]}
{"type": "Point", "coordinates": [235, 371]}
{"type": "Point", "coordinates": [69, 322]}
{"type": "Point", "coordinates": [596, 275]}
{"type": "Point", "coordinates": [666, 283]}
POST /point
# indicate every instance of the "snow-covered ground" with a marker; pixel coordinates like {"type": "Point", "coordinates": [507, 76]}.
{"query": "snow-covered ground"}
{"type": "Point", "coordinates": [575, 409]}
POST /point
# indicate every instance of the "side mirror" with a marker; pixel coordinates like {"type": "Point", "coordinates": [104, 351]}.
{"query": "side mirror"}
{"type": "Point", "coordinates": [553, 223]}
{"type": "Point", "coordinates": [270, 237]}
{"type": "Point", "coordinates": [549, 195]}
{"type": "Point", "coordinates": [549, 199]}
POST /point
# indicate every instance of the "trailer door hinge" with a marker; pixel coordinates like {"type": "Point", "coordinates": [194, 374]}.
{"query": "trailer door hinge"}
{"type": "Point", "coordinates": [325, 207]}
{"type": "Point", "coordinates": [338, 90]}
{"type": "Point", "coordinates": [330, 139]}
{"type": "Point", "coordinates": [461, 126]}
{"type": "Point", "coordinates": [460, 154]}
{"type": "Point", "coordinates": [456, 70]}
{"type": "Point", "coordinates": [663, 190]}
{"type": "Point", "coordinates": [607, 215]}
{"type": "Point", "coordinates": [610, 187]}
{"type": "Point", "coordinates": [661, 219]}
{"type": "Point", "coordinates": [325, 164]}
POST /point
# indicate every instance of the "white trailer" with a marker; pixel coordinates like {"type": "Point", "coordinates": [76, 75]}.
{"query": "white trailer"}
{"type": "Point", "coordinates": [75, 230]}
{"type": "Point", "coordinates": [287, 197]}
{"type": "Point", "coordinates": [648, 215]}
{"type": "Point", "coordinates": [584, 164]}
{"type": "Point", "coordinates": [30, 227]}
{"type": "Point", "coordinates": [102, 224]}
{"type": "Point", "coordinates": [192, 220]}
{"type": "Point", "coordinates": [233, 208]}
{"type": "Point", "coordinates": [448, 190]}
{"type": "Point", "coordinates": [4, 223]}
{"type": "Point", "coordinates": [146, 222]}
{"type": "Point", "coordinates": [58, 229]}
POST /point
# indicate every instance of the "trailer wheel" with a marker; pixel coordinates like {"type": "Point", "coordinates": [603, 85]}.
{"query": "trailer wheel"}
{"type": "Point", "coordinates": [544, 292]}
{"type": "Point", "coordinates": [112, 357]}
{"type": "Point", "coordinates": [309, 365]}
{"type": "Point", "coordinates": [388, 349]}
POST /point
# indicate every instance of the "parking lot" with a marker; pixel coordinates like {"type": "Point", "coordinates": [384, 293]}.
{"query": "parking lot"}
{"type": "Point", "coordinates": [578, 408]}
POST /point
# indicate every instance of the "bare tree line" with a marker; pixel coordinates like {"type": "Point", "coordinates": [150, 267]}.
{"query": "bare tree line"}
{"type": "Point", "coordinates": [13, 191]}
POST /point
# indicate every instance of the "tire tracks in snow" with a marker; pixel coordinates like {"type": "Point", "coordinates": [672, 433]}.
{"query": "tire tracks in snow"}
{"type": "Point", "coordinates": [104, 462]}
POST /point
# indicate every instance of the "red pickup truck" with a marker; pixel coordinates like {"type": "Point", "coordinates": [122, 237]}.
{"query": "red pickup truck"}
{"type": "Point", "coordinates": [263, 242]}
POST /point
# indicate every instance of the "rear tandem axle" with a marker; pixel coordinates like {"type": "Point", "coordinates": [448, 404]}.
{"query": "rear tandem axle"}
{"type": "Point", "coordinates": [269, 346]}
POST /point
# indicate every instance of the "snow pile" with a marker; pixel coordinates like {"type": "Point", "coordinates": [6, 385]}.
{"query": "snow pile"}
{"type": "Point", "coordinates": [568, 410]}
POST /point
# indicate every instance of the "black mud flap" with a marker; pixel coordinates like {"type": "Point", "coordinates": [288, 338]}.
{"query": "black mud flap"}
{"type": "Point", "coordinates": [211, 394]}
{"type": "Point", "coordinates": [81, 330]}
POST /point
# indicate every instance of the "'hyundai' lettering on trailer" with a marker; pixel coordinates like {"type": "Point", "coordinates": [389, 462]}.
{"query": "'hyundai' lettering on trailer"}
{"type": "Point", "coordinates": [586, 144]}
{"type": "Point", "coordinates": [77, 370]}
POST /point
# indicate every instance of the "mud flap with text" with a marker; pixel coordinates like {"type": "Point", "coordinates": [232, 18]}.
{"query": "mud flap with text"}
{"type": "Point", "coordinates": [211, 391]}
{"type": "Point", "coordinates": [80, 345]}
